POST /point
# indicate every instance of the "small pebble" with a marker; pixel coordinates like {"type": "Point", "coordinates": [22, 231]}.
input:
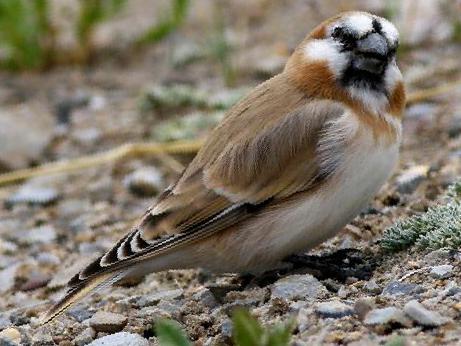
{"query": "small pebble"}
{"type": "Point", "coordinates": [435, 257]}
{"type": "Point", "coordinates": [226, 328]}
{"type": "Point", "coordinates": [7, 277]}
{"type": "Point", "coordinates": [80, 314]}
{"type": "Point", "coordinates": [35, 280]}
{"type": "Point", "coordinates": [451, 290]}
{"type": "Point", "coordinates": [220, 291]}
{"type": "Point", "coordinates": [443, 271]}
{"type": "Point", "coordinates": [39, 235]}
{"type": "Point", "coordinates": [35, 195]}
{"type": "Point", "coordinates": [409, 180]}
{"type": "Point", "coordinates": [7, 246]}
{"type": "Point", "coordinates": [11, 335]}
{"type": "Point", "coordinates": [457, 306]}
{"type": "Point", "coordinates": [89, 136]}
{"type": "Point", "coordinates": [85, 337]}
{"type": "Point", "coordinates": [298, 287]}
{"type": "Point", "coordinates": [145, 182]}
{"type": "Point", "coordinates": [372, 287]}
{"type": "Point", "coordinates": [162, 296]}
{"type": "Point", "coordinates": [46, 258]}
{"type": "Point", "coordinates": [110, 322]}
{"type": "Point", "coordinates": [41, 339]}
{"type": "Point", "coordinates": [120, 339]}
{"type": "Point", "coordinates": [386, 316]}
{"type": "Point", "coordinates": [396, 288]}
{"type": "Point", "coordinates": [334, 309]}
{"type": "Point", "coordinates": [344, 292]}
{"type": "Point", "coordinates": [362, 307]}
{"type": "Point", "coordinates": [206, 298]}
{"type": "Point", "coordinates": [4, 322]}
{"type": "Point", "coordinates": [418, 313]}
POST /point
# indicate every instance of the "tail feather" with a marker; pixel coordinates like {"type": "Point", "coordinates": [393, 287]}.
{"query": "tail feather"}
{"type": "Point", "coordinates": [76, 293]}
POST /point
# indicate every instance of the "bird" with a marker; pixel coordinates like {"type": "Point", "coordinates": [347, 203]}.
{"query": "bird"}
{"type": "Point", "coordinates": [287, 168]}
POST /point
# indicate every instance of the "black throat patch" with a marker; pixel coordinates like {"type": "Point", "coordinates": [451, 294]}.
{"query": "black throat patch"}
{"type": "Point", "coordinates": [363, 79]}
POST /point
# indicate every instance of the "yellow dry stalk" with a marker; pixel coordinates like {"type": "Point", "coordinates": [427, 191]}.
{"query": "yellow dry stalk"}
{"type": "Point", "coordinates": [121, 152]}
{"type": "Point", "coordinates": [424, 94]}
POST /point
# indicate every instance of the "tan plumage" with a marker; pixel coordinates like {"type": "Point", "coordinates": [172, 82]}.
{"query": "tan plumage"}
{"type": "Point", "coordinates": [287, 168]}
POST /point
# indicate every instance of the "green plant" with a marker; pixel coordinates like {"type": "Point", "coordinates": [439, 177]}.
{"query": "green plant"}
{"type": "Point", "coordinates": [457, 30]}
{"type": "Point", "coordinates": [439, 227]}
{"type": "Point", "coordinates": [247, 331]}
{"type": "Point", "coordinates": [170, 23]}
{"type": "Point", "coordinates": [169, 333]}
{"type": "Point", "coordinates": [25, 34]}
{"type": "Point", "coordinates": [93, 12]}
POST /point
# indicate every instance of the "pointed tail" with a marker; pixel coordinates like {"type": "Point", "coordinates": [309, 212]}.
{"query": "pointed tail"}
{"type": "Point", "coordinates": [76, 293]}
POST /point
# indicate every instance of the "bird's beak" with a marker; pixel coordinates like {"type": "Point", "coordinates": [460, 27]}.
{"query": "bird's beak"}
{"type": "Point", "coordinates": [372, 53]}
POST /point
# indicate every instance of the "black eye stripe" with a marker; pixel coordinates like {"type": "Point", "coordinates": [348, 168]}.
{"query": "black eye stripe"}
{"type": "Point", "coordinates": [348, 38]}
{"type": "Point", "coordinates": [343, 35]}
{"type": "Point", "coordinates": [377, 26]}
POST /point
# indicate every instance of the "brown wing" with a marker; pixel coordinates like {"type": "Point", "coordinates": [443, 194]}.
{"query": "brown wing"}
{"type": "Point", "coordinates": [264, 150]}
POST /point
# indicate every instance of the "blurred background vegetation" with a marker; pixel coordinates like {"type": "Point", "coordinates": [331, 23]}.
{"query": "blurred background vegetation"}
{"type": "Point", "coordinates": [30, 35]}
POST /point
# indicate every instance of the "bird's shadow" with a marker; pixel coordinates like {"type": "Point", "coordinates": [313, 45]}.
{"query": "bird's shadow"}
{"type": "Point", "coordinates": [339, 266]}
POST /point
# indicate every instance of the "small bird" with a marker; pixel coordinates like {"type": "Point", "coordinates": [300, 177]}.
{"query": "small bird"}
{"type": "Point", "coordinates": [288, 167]}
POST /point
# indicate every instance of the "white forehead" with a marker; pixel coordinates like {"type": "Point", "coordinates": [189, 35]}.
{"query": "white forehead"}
{"type": "Point", "coordinates": [389, 29]}
{"type": "Point", "coordinates": [362, 23]}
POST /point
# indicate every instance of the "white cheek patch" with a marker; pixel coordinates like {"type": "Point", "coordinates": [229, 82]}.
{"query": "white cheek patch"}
{"type": "Point", "coordinates": [389, 30]}
{"type": "Point", "coordinates": [326, 50]}
{"type": "Point", "coordinates": [359, 23]}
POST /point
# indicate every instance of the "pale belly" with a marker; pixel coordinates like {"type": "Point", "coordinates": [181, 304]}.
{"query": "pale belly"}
{"type": "Point", "coordinates": [305, 223]}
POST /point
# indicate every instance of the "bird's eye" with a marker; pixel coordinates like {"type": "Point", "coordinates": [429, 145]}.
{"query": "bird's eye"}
{"type": "Point", "coordinates": [343, 36]}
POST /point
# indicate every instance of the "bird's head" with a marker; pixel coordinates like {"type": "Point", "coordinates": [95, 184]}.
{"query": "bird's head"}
{"type": "Point", "coordinates": [353, 52]}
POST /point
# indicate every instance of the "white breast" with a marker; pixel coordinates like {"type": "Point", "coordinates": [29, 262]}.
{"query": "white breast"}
{"type": "Point", "coordinates": [303, 225]}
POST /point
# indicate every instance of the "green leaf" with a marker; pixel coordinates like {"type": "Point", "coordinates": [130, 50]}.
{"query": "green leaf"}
{"type": "Point", "coordinates": [93, 12]}
{"type": "Point", "coordinates": [169, 333]}
{"type": "Point", "coordinates": [281, 334]}
{"type": "Point", "coordinates": [23, 25]}
{"type": "Point", "coordinates": [247, 330]}
{"type": "Point", "coordinates": [170, 23]}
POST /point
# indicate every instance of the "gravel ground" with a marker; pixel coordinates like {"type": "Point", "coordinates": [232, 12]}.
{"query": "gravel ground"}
{"type": "Point", "coordinates": [51, 226]}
